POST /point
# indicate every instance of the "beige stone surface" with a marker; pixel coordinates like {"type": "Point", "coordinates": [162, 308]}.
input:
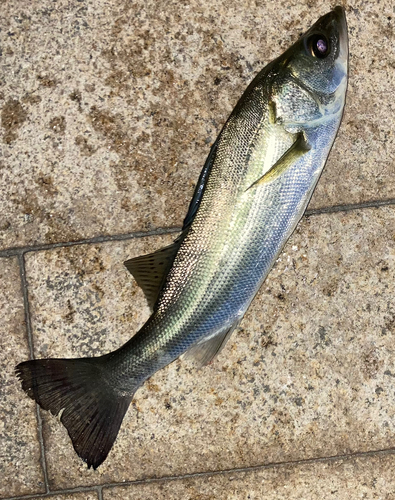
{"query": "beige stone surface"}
{"type": "Point", "coordinates": [86, 495]}
{"type": "Point", "coordinates": [361, 478]}
{"type": "Point", "coordinates": [20, 469]}
{"type": "Point", "coordinates": [310, 373]}
{"type": "Point", "coordinates": [108, 108]}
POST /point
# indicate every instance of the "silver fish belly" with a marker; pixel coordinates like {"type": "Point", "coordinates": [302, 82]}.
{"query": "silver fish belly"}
{"type": "Point", "coordinates": [253, 190]}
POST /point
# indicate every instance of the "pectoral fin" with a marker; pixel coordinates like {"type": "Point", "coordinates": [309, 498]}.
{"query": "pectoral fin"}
{"type": "Point", "coordinates": [272, 112]}
{"type": "Point", "coordinates": [296, 151]}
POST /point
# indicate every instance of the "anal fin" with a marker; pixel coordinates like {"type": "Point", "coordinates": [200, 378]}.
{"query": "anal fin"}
{"type": "Point", "coordinates": [206, 350]}
{"type": "Point", "coordinates": [296, 151]}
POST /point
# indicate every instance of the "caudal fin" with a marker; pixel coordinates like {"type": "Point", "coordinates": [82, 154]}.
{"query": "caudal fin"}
{"type": "Point", "coordinates": [92, 410]}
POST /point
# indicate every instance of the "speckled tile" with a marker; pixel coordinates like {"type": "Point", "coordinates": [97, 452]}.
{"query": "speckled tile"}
{"type": "Point", "coordinates": [108, 108]}
{"type": "Point", "coordinates": [365, 477]}
{"type": "Point", "coordinates": [310, 372]}
{"type": "Point", "coordinates": [20, 469]}
{"type": "Point", "coordinates": [86, 495]}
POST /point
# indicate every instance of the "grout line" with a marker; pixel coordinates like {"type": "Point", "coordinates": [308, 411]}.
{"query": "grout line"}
{"type": "Point", "coordinates": [100, 493]}
{"type": "Point", "coordinates": [43, 458]}
{"type": "Point", "coordinates": [22, 269]}
{"type": "Point", "coordinates": [273, 465]}
{"type": "Point", "coordinates": [50, 494]}
{"type": "Point", "coordinates": [350, 207]}
{"type": "Point", "coordinates": [8, 252]}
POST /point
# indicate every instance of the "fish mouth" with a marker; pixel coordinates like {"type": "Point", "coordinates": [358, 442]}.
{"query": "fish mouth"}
{"type": "Point", "coordinates": [339, 16]}
{"type": "Point", "coordinates": [335, 22]}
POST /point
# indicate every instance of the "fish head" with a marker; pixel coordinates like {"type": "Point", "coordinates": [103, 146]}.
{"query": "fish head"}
{"type": "Point", "coordinates": [310, 79]}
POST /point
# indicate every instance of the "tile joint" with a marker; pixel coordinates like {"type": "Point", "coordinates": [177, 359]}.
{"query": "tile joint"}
{"type": "Point", "coordinates": [272, 465]}
{"type": "Point", "coordinates": [350, 207]}
{"type": "Point", "coordinates": [65, 491]}
{"type": "Point", "coordinates": [99, 488]}
{"type": "Point", "coordinates": [9, 252]}
{"type": "Point", "coordinates": [22, 270]}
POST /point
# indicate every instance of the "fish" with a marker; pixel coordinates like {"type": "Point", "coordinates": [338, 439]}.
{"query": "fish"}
{"type": "Point", "coordinates": [254, 188]}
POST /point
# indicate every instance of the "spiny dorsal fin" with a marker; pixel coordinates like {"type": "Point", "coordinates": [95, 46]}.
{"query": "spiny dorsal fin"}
{"type": "Point", "coordinates": [150, 270]}
{"type": "Point", "coordinates": [204, 352]}
{"type": "Point", "coordinates": [197, 195]}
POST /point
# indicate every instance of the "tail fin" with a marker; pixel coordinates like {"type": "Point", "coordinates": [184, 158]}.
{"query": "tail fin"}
{"type": "Point", "coordinates": [92, 410]}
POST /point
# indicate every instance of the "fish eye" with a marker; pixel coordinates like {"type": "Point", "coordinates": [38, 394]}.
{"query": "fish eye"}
{"type": "Point", "coordinates": [318, 46]}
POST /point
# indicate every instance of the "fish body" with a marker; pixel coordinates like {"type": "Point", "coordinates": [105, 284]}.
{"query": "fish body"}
{"type": "Point", "coordinates": [253, 190]}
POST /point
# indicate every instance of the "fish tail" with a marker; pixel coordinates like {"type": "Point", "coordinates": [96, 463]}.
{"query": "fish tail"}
{"type": "Point", "coordinates": [92, 410]}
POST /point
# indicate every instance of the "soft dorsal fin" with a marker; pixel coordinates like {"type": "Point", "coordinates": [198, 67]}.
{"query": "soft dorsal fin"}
{"type": "Point", "coordinates": [205, 351]}
{"type": "Point", "coordinates": [197, 195]}
{"type": "Point", "coordinates": [150, 270]}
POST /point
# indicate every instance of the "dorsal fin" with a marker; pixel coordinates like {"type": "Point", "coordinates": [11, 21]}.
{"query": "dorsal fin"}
{"type": "Point", "coordinates": [150, 270]}
{"type": "Point", "coordinates": [197, 195]}
{"type": "Point", "coordinates": [206, 350]}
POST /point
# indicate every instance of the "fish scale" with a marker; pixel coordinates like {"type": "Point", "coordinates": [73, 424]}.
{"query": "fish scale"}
{"type": "Point", "coordinates": [256, 183]}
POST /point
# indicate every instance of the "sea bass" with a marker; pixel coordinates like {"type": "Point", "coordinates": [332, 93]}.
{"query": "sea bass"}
{"type": "Point", "coordinates": [254, 187]}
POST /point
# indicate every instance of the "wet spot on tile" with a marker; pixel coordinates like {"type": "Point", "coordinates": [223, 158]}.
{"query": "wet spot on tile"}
{"type": "Point", "coordinates": [13, 115]}
{"type": "Point", "coordinates": [58, 124]}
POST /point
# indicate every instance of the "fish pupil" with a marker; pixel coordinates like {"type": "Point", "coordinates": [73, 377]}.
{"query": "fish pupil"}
{"type": "Point", "coordinates": [319, 46]}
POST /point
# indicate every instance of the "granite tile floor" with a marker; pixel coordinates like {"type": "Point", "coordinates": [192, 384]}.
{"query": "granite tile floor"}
{"type": "Point", "coordinates": [108, 109]}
